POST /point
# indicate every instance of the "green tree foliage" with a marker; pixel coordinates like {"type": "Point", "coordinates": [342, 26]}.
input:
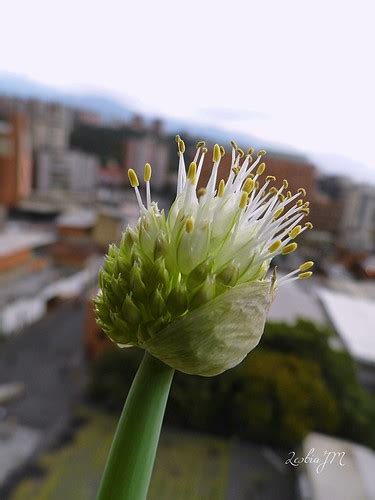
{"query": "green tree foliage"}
{"type": "Point", "coordinates": [293, 383]}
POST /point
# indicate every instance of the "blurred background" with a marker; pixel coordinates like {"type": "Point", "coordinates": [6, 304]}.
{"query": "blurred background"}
{"type": "Point", "coordinates": [88, 90]}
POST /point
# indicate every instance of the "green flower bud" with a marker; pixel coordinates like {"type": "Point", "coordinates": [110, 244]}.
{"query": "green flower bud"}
{"type": "Point", "coordinates": [177, 300]}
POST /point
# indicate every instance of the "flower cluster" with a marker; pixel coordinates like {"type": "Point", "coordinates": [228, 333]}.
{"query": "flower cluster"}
{"type": "Point", "coordinates": [193, 287]}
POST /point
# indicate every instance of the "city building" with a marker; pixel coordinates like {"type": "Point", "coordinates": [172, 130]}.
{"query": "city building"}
{"type": "Point", "coordinates": [130, 145]}
{"type": "Point", "coordinates": [50, 124]}
{"type": "Point", "coordinates": [66, 171]}
{"type": "Point", "coordinates": [147, 145]}
{"type": "Point", "coordinates": [15, 159]}
{"type": "Point", "coordinates": [357, 228]}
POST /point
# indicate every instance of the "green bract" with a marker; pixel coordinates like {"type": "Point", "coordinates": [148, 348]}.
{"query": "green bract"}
{"type": "Point", "coordinates": [192, 288]}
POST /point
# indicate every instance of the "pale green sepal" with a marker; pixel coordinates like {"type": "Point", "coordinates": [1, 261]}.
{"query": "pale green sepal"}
{"type": "Point", "coordinates": [218, 335]}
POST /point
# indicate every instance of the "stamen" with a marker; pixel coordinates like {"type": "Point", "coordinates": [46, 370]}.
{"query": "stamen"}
{"type": "Point", "coordinates": [295, 232]}
{"type": "Point", "coordinates": [302, 191]}
{"type": "Point", "coordinates": [289, 248]}
{"type": "Point", "coordinates": [261, 169]}
{"type": "Point", "coordinates": [308, 225]}
{"type": "Point", "coordinates": [201, 192]}
{"type": "Point", "coordinates": [244, 199]}
{"type": "Point", "coordinates": [249, 185]}
{"type": "Point", "coordinates": [304, 276]}
{"type": "Point", "coordinates": [134, 182]}
{"type": "Point", "coordinates": [278, 213]}
{"type": "Point", "coordinates": [262, 152]}
{"type": "Point", "coordinates": [216, 153]}
{"type": "Point", "coordinates": [147, 172]}
{"type": "Point", "coordinates": [192, 172]}
{"type": "Point", "coordinates": [306, 266]}
{"type": "Point", "coordinates": [181, 146]}
{"type": "Point", "coordinates": [147, 176]}
{"type": "Point", "coordinates": [275, 246]}
{"type": "Point", "coordinates": [221, 189]}
{"type": "Point", "coordinates": [189, 225]}
{"type": "Point", "coordinates": [222, 151]}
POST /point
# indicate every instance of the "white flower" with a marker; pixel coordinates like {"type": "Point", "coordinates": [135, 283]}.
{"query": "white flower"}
{"type": "Point", "coordinates": [193, 287]}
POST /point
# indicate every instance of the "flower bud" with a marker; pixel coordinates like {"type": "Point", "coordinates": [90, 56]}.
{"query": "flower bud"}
{"type": "Point", "coordinates": [177, 300]}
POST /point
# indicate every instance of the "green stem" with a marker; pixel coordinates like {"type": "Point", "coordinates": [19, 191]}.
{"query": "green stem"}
{"type": "Point", "coordinates": [129, 466]}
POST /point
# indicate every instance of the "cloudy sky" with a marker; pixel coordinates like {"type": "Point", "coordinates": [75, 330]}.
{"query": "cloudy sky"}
{"type": "Point", "coordinates": [299, 73]}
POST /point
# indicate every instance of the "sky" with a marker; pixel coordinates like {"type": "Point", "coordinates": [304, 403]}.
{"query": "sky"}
{"type": "Point", "coordinates": [299, 73]}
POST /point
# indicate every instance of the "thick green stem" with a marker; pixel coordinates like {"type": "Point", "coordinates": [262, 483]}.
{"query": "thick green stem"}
{"type": "Point", "coordinates": [129, 466]}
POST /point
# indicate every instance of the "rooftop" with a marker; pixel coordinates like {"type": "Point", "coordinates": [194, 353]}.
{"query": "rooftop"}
{"type": "Point", "coordinates": [353, 319]}
{"type": "Point", "coordinates": [77, 218]}
{"type": "Point", "coordinates": [293, 302]}
{"type": "Point", "coordinates": [15, 240]}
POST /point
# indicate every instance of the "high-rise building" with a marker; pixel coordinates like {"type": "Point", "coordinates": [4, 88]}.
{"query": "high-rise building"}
{"type": "Point", "coordinates": [50, 124]}
{"type": "Point", "coordinates": [15, 159]}
{"type": "Point", "coordinates": [66, 171]}
{"type": "Point", "coordinates": [357, 228]}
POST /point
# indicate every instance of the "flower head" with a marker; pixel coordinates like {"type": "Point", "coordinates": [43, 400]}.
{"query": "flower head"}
{"type": "Point", "coordinates": [193, 287]}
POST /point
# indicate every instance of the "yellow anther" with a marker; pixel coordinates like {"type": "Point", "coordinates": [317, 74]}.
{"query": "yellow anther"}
{"type": "Point", "coordinates": [302, 191]}
{"type": "Point", "coordinates": [261, 153]}
{"type": "Point", "coordinates": [299, 203]}
{"type": "Point", "coordinates": [243, 200]}
{"type": "Point", "coordinates": [181, 146]}
{"type": "Point", "coordinates": [235, 170]}
{"type": "Point", "coordinates": [221, 188]}
{"type": "Point", "coordinates": [278, 213]}
{"type": "Point", "coordinates": [281, 197]}
{"type": "Point", "coordinates": [177, 138]}
{"type": "Point", "coordinates": [147, 172]}
{"type": "Point", "coordinates": [275, 246]}
{"type": "Point", "coordinates": [240, 152]}
{"type": "Point", "coordinates": [305, 276]}
{"type": "Point", "coordinates": [295, 232]}
{"type": "Point", "coordinates": [201, 144]}
{"type": "Point", "coordinates": [248, 185]}
{"type": "Point", "coordinates": [270, 178]}
{"type": "Point", "coordinates": [306, 266]}
{"type": "Point", "coordinates": [305, 211]}
{"type": "Point", "coordinates": [306, 204]}
{"type": "Point", "coordinates": [192, 171]}
{"type": "Point", "coordinates": [289, 194]}
{"type": "Point", "coordinates": [285, 184]}
{"type": "Point", "coordinates": [261, 168]}
{"type": "Point", "coordinates": [217, 153]}
{"type": "Point", "coordinates": [189, 225]}
{"type": "Point", "coordinates": [234, 145]}
{"type": "Point", "coordinates": [204, 150]}
{"type": "Point", "coordinates": [133, 178]}
{"type": "Point", "coordinates": [250, 176]}
{"type": "Point", "coordinates": [289, 248]}
{"type": "Point", "coordinates": [273, 190]}
{"type": "Point", "coordinates": [250, 151]}
{"type": "Point", "coordinates": [309, 225]}
{"type": "Point", "coordinates": [222, 151]}
{"type": "Point", "coordinates": [201, 191]}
